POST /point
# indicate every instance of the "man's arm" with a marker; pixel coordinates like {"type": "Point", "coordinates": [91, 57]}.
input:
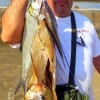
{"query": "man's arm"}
{"type": "Point", "coordinates": [13, 21]}
{"type": "Point", "coordinates": [96, 62]}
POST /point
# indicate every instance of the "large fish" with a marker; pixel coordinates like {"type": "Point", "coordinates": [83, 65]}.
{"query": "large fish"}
{"type": "Point", "coordinates": [38, 54]}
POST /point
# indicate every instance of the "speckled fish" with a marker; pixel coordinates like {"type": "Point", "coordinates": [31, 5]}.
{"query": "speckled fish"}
{"type": "Point", "coordinates": [38, 54]}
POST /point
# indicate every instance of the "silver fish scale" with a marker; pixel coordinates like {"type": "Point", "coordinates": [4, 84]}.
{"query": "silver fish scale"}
{"type": "Point", "coordinates": [34, 16]}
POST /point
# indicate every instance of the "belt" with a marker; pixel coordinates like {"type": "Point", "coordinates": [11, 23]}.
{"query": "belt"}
{"type": "Point", "coordinates": [62, 88]}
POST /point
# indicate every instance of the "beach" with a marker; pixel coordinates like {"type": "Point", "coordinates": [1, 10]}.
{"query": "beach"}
{"type": "Point", "coordinates": [10, 65]}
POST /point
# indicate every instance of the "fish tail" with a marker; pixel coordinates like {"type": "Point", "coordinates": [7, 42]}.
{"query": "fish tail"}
{"type": "Point", "coordinates": [21, 83]}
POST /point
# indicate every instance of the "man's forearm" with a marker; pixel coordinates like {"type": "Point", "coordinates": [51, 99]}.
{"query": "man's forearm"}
{"type": "Point", "coordinates": [13, 21]}
{"type": "Point", "coordinates": [96, 62]}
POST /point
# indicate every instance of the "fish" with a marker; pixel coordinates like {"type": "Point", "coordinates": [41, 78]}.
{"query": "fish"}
{"type": "Point", "coordinates": [38, 52]}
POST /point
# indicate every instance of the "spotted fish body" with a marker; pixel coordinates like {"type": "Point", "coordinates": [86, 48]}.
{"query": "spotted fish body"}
{"type": "Point", "coordinates": [38, 54]}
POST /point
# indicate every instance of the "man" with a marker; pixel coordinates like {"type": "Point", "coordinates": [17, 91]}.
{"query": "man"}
{"type": "Point", "coordinates": [85, 55]}
{"type": "Point", "coordinates": [87, 45]}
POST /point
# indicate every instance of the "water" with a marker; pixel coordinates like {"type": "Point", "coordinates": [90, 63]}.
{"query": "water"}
{"type": "Point", "coordinates": [82, 4]}
{"type": "Point", "coordinates": [87, 5]}
{"type": "Point", "coordinates": [4, 2]}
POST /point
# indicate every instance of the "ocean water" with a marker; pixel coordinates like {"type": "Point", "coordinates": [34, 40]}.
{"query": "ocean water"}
{"type": "Point", "coordinates": [80, 4]}
{"type": "Point", "coordinates": [87, 5]}
{"type": "Point", "coordinates": [4, 2]}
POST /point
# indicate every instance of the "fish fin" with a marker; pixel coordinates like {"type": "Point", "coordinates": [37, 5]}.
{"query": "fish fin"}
{"type": "Point", "coordinates": [21, 83]}
{"type": "Point", "coordinates": [52, 27]}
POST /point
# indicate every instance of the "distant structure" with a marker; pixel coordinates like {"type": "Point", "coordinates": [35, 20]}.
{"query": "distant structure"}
{"type": "Point", "coordinates": [76, 7]}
